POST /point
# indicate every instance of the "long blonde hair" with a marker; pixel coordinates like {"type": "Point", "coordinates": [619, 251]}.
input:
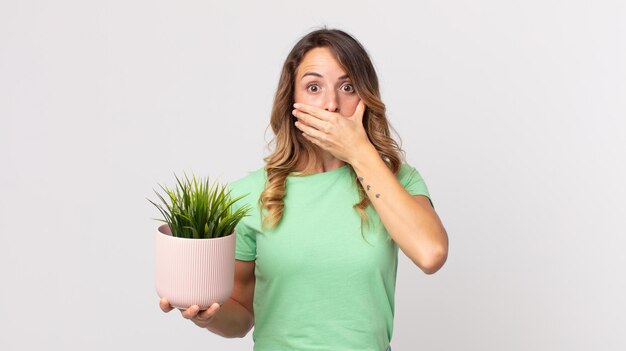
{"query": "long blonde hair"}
{"type": "Point", "coordinates": [290, 145]}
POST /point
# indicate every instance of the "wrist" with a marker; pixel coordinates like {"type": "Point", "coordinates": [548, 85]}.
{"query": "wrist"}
{"type": "Point", "coordinates": [365, 155]}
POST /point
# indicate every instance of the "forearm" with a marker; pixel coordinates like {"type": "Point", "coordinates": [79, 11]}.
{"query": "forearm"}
{"type": "Point", "coordinates": [232, 320]}
{"type": "Point", "coordinates": [415, 227]}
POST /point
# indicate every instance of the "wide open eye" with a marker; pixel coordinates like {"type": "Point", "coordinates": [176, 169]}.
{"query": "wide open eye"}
{"type": "Point", "coordinates": [313, 88]}
{"type": "Point", "coordinates": [348, 88]}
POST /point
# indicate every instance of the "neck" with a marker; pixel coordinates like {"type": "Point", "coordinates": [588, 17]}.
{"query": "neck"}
{"type": "Point", "coordinates": [323, 161]}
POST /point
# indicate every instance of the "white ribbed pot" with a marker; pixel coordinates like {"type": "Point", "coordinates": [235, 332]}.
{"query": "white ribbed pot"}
{"type": "Point", "coordinates": [194, 271]}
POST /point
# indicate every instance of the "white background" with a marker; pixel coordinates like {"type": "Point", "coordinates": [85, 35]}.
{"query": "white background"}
{"type": "Point", "coordinates": [514, 112]}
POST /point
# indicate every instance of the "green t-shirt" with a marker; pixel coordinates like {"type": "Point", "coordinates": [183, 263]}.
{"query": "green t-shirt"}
{"type": "Point", "coordinates": [319, 284]}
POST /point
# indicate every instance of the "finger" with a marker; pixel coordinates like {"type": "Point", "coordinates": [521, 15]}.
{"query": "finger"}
{"type": "Point", "coordinates": [313, 140]}
{"type": "Point", "coordinates": [165, 305]}
{"type": "Point", "coordinates": [312, 132]}
{"type": "Point", "coordinates": [209, 312]}
{"type": "Point", "coordinates": [309, 119]}
{"type": "Point", "coordinates": [314, 111]}
{"type": "Point", "coordinates": [360, 110]}
{"type": "Point", "coordinates": [191, 312]}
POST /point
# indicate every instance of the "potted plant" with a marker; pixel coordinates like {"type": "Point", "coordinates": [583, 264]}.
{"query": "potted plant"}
{"type": "Point", "coordinates": [195, 248]}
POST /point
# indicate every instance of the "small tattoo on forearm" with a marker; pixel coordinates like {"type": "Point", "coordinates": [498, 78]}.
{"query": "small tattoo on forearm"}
{"type": "Point", "coordinates": [367, 187]}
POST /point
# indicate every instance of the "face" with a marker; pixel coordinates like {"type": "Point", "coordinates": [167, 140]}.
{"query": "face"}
{"type": "Point", "coordinates": [321, 82]}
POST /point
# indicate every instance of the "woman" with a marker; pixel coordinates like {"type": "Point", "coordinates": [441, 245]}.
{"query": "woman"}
{"type": "Point", "coordinates": [315, 268]}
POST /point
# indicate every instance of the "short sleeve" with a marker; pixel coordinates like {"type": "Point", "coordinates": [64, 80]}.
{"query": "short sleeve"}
{"type": "Point", "coordinates": [245, 239]}
{"type": "Point", "coordinates": [413, 182]}
{"type": "Point", "coordinates": [245, 247]}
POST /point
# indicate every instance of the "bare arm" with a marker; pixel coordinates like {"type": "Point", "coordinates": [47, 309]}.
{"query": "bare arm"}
{"type": "Point", "coordinates": [410, 219]}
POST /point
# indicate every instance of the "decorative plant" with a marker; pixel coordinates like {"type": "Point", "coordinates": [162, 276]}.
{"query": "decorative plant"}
{"type": "Point", "coordinates": [197, 210]}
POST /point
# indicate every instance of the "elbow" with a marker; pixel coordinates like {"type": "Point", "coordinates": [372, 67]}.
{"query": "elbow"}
{"type": "Point", "coordinates": [240, 335]}
{"type": "Point", "coordinates": [247, 329]}
{"type": "Point", "coordinates": [435, 260]}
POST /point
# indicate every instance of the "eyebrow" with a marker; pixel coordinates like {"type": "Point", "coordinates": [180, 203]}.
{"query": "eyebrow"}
{"type": "Point", "coordinates": [320, 76]}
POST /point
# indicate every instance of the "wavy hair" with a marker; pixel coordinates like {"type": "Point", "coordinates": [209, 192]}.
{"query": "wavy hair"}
{"type": "Point", "coordinates": [290, 146]}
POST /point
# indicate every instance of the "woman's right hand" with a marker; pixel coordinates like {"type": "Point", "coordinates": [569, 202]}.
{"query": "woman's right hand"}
{"type": "Point", "coordinates": [193, 313]}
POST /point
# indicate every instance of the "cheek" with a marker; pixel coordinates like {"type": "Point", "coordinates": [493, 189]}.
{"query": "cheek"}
{"type": "Point", "coordinates": [348, 105]}
{"type": "Point", "coordinates": [308, 99]}
{"type": "Point", "coordinates": [298, 95]}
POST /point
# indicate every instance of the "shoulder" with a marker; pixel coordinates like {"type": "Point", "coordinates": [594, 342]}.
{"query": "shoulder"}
{"type": "Point", "coordinates": [252, 182]}
{"type": "Point", "coordinates": [406, 172]}
{"type": "Point", "coordinates": [412, 180]}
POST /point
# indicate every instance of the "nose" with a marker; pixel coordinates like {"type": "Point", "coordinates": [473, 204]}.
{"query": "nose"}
{"type": "Point", "coordinates": [331, 103]}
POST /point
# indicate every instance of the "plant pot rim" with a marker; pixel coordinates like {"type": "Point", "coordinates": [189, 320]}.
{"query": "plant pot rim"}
{"type": "Point", "coordinates": [162, 227]}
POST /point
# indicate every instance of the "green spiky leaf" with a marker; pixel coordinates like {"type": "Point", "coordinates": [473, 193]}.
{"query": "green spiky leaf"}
{"type": "Point", "coordinates": [197, 209]}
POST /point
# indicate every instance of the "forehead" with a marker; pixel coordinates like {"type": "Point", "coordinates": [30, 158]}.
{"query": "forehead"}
{"type": "Point", "coordinates": [320, 60]}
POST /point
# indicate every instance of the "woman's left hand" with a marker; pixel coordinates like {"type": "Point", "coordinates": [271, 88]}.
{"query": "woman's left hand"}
{"type": "Point", "coordinates": [342, 136]}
